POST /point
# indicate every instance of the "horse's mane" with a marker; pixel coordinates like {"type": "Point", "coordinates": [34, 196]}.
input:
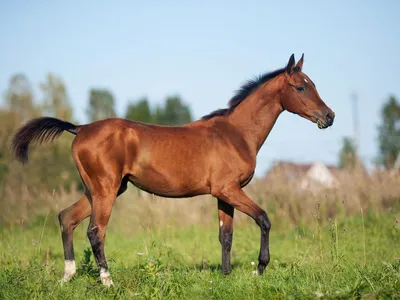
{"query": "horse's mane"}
{"type": "Point", "coordinates": [245, 91]}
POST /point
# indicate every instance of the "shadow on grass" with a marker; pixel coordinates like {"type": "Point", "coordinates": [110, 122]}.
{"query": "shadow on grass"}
{"type": "Point", "coordinates": [216, 267]}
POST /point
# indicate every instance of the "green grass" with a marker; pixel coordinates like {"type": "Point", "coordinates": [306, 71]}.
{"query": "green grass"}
{"type": "Point", "coordinates": [338, 259]}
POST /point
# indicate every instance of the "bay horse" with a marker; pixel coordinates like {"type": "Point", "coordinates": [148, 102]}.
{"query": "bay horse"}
{"type": "Point", "coordinates": [214, 155]}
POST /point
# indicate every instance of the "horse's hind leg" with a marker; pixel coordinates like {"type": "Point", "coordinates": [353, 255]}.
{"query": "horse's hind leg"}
{"type": "Point", "coordinates": [225, 215]}
{"type": "Point", "coordinates": [70, 218]}
{"type": "Point", "coordinates": [102, 203]}
{"type": "Point", "coordinates": [102, 195]}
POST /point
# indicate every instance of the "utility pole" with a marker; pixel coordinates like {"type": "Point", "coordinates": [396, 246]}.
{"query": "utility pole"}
{"type": "Point", "coordinates": [354, 99]}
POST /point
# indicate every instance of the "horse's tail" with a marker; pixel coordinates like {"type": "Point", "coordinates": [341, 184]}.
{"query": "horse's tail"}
{"type": "Point", "coordinates": [44, 129]}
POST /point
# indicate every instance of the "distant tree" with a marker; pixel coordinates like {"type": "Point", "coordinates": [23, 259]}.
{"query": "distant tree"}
{"type": "Point", "coordinates": [101, 105]}
{"type": "Point", "coordinates": [389, 132]}
{"type": "Point", "coordinates": [19, 98]}
{"type": "Point", "coordinates": [174, 112]}
{"type": "Point", "coordinates": [139, 111]}
{"type": "Point", "coordinates": [348, 156]}
{"type": "Point", "coordinates": [158, 115]}
{"type": "Point", "coordinates": [56, 103]}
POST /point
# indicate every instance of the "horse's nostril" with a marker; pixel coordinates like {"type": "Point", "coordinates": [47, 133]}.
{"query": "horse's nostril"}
{"type": "Point", "coordinates": [329, 118]}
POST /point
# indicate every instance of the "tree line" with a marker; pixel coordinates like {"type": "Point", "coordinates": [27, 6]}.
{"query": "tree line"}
{"type": "Point", "coordinates": [172, 112]}
{"type": "Point", "coordinates": [55, 102]}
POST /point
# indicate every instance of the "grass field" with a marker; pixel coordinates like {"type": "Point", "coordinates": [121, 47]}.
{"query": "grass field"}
{"type": "Point", "coordinates": [342, 257]}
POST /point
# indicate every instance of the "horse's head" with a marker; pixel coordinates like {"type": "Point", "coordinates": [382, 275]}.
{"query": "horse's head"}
{"type": "Point", "coordinates": [301, 97]}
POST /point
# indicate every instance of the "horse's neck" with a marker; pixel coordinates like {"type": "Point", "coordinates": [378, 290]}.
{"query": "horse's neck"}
{"type": "Point", "coordinates": [257, 114]}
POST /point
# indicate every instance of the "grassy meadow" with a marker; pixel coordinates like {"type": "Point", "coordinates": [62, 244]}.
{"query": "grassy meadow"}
{"type": "Point", "coordinates": [342, 243]}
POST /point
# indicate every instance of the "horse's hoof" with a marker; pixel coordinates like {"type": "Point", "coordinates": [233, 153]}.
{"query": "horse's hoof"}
{"type": "Point", "coordinates": [69, 271]}
{"type": "Point", "coordinates": [255, 273]}
{"type": "Point", "coordinates": [226, 272]}
{"type": "Point", "coordinates": [105, 277]}
{"type": "Point", "coordinates": [63, 280]}
{"type": "Point", "coordinates": [66, 278]}
{"type": "Point", "coordinates": [107, 281]}
{"type": "Point", "coordinates": [261, 268]}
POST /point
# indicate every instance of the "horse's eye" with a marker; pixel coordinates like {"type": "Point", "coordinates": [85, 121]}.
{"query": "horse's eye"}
{"type": "Point", "coordinates": [300, 88]}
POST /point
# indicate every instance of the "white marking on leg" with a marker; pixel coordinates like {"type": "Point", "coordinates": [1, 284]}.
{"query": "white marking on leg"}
{"type": "Point", "coordinates": [105, 277]}
{"type": "Point", "coordinates": [69, 270]}
{"type": "Point", "coordinates": [221, 223]}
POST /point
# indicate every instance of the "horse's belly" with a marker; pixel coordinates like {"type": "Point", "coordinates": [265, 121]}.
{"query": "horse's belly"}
{"type": "Point", "coordinates": [170, 184]}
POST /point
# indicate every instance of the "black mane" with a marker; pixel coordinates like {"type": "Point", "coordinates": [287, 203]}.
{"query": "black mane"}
{"type": "Point", "coordinates": [245, 91]}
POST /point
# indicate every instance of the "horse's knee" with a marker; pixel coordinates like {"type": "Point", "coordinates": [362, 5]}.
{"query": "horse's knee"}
{"type": "Point", "coordinates": [62, 219]}
{"type": "Point", "coordinates": [67, 221]}
{"type": "Point", "coordinates": [264, 222]}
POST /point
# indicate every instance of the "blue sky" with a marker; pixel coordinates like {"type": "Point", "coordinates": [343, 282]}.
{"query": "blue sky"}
{"type": "Point", "coordinates": [205, 50]}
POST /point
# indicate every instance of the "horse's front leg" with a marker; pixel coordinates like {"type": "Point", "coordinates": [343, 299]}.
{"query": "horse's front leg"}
{"type": "Point", "coordinates": [233, 195]}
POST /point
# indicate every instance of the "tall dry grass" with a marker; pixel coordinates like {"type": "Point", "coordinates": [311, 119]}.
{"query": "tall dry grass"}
{"type": "Point", "coordinates": [355, 190]}
{"type": "Point", "coordinates": [285, 203]}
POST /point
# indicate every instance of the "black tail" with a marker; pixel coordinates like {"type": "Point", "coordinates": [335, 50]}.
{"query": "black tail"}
{"type": "Point", "coordinates": [41, 130]}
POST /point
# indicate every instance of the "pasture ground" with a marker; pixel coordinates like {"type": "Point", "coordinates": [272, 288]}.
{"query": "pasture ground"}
{"type": "Point", "coordinates": [345, 257]}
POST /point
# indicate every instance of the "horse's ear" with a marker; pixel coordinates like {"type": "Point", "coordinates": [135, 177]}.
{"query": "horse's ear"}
{"type": "Point", "coordinates": [290, 65]}
{"type": "Point", "coordinates": [299, 65]}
